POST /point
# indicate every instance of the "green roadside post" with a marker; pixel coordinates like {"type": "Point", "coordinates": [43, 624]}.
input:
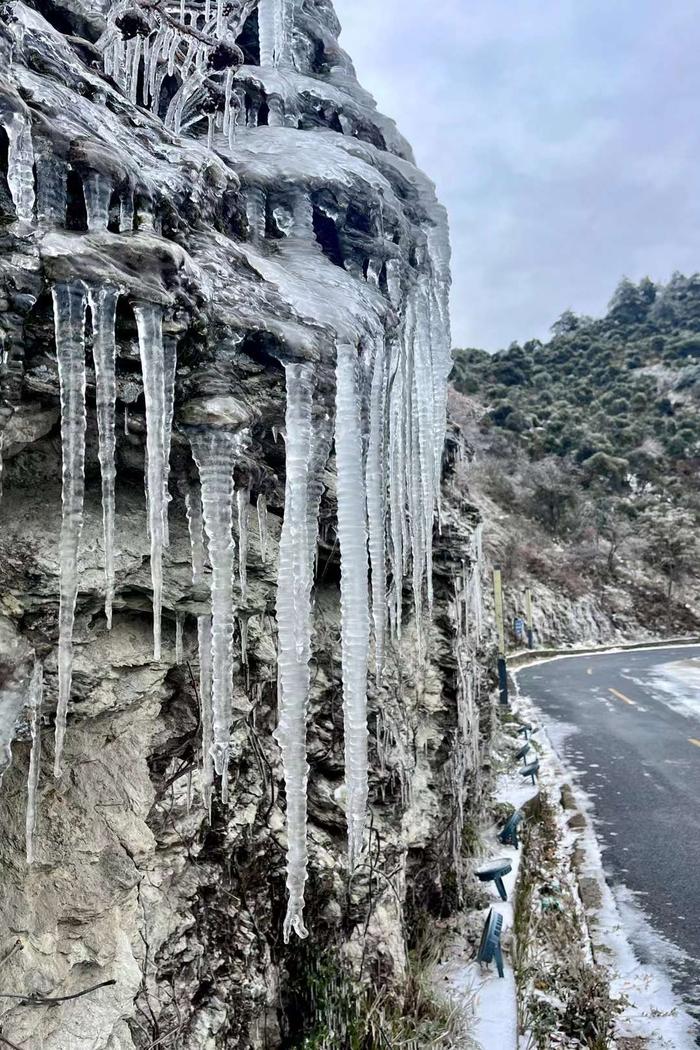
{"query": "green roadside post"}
{"type": "Point", "coordinates": [530, 633]}
{"type": "Point", "coordinates": [500, 626]}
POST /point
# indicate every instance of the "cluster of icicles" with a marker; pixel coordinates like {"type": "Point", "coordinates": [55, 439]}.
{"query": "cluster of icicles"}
{"type": "Point", "coordinates": [388, 455]}
{"type": "Point", "coordinates": [193, 44]}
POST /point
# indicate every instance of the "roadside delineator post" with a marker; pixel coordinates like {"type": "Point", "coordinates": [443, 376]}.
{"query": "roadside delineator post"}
{"type": "Point", "coordinates": [490, 947]}
{"type": "Point", "coordinates": [528, 625]}
{"type": "Point", "coordinates": [500, 626]}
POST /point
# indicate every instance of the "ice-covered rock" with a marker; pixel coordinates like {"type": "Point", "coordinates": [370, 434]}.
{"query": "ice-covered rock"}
{"type": "Point", "coordinates": [214, 204]}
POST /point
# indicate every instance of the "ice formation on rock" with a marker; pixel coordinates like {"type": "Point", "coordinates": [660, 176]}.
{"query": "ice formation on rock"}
{"type": "Point", "coordinates": [103, 308]}
{"type": "Point", "coordinates": [354, 591]}
{"type": "Point", "coordinates": [261, 507]}
{"type": "Point", "coordinates": [20, 165]}
{"type": "Point", "coordinates": [294, 582]}
{"type": "Point", "coordinates": [215, 451]}
{"type": "Point", "coordinates": [36, 696]}
{"type": "Point", "coordinates": [69, 302]}
{"type": "Point", "coordinates": [250, 234]}
{"type": "Point", "coordinates": [149, 319]}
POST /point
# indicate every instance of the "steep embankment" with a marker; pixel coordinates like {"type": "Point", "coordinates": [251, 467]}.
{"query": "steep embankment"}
{"type": "Point", "coordinates": [207, 226]}
{"type": "Point", "coordinates": [588, 466]}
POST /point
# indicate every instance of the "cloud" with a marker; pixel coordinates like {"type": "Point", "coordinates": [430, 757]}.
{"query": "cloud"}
{"type": "Point", "coordinates": [563, 138]}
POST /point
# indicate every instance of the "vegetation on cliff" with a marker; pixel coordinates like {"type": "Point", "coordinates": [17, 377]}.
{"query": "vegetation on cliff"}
{"type": "Point", "coordinates": [590, 443]}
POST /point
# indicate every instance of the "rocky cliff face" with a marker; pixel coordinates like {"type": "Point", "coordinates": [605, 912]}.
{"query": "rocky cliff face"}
{"type": "Point", "coordinates": [206, 226]}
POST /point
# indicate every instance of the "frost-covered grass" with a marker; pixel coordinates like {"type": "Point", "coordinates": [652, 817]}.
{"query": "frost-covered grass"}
{"type": "Point", "coordinates": [406, 1017]}
{"type": "Point", "coordinates": [565, 997]}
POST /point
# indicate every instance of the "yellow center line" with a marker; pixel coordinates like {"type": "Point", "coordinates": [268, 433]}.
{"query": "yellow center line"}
{"type": "Point", "coordinates": [621, 696]}
{"type": "Point", "coordinates": [692, 740]}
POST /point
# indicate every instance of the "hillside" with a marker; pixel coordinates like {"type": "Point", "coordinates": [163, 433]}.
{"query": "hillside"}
{"type": "Point", "coordinates": [587, 461]}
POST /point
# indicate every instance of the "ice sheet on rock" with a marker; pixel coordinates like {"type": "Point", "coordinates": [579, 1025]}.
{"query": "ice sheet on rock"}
{"type": "Point", "coordinates": [36, 697]}
{"type": "Point", "coordinates": [149, 321]}
{"type": "Point", "coordinates": [20, 165]}
{"type": "Point", "coordinates": [69, 304]}
{"type": "Point", "coordinates": [294, 584]}
{"type": "Point", "coordinates": [354, 592]}
{"type": "Point", "coordinates": [215, 453]}
{"type": "Point", "coordinates": [103, 308]}
{"type": "Point", "coordinates": [52, 189]}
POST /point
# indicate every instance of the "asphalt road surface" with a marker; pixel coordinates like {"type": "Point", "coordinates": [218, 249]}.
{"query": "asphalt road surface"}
{"type": "Point", "coordinates": [629, 725]}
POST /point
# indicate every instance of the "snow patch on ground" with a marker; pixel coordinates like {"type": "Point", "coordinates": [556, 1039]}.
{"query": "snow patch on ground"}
{"type": "Point", "coordinates": [680, 682]}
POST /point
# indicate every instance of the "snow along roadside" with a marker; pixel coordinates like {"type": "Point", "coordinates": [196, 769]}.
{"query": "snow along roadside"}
{"type": "Point", "coordinates": [488, 1002]}
{"type": "Point", "coordinates": [654, 1013]}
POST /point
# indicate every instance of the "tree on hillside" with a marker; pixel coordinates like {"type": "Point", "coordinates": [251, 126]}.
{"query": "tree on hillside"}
{"type": "Point", "coordinates": [552, 493]}
{"type": "Point", "coordinates": [672, 545]}
{"type": "Point", "coordinates": [628, 305]}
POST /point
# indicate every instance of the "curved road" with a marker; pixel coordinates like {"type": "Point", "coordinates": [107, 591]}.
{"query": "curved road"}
{"type": "Point", "coordinates": [628, 724]}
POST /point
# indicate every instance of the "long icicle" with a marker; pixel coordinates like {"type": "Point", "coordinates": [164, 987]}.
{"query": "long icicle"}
{"type": "Point", "coordinates": [36, 697]}
{"type": "Point", "coordinates": [376, 489]}
{"type": "Point", "coordinates": [195, 520]}
{"type": "Point", "coordinates": [354, 592]}
{"type": "Point", "coordinates": [103, 307]}
{"type": "Point", "coordinates": [69, 303]}
{"type": "Point", "coordinates": [294, 583]}
{"type": "Point", "coordinates": [215, 455]}
{"type": "Point", "coordinates": [149, 321]}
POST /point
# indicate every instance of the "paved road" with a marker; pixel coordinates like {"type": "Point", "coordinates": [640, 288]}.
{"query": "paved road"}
{"type": "Point", "coordinates": [629, 724]}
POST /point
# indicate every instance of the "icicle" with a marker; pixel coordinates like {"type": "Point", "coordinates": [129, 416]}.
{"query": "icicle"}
{"type": "Point", "coordinates": [126, 211]}
{"type": "Point", "coordinates": [36, 695]}
{"type": "Point", "coordinates": [134, 69]}
{"type": "Point", "coordinates": [149, 321]}
{"type": "Point", "coordinates": [170, 371]}
{"type": "Point", "coordinates": [321, 441]}
{"type": "Point", "coordinates": [69, 321]}
{"type": "Point", "coordinates": [354, 592]}
{"type": "Point", "coordinates": [215, 452]}
{"type": "Point", "coordinates": [210, 130]}
{"type": "Point", "coordinates": [262, 525]}
{"type": "Point", "coordinates": [204, 635]}
{"type": "Point", "coordinates": [219, 18]}
{"type": "Point", "coordinates": [126, 420]}
{"type": "Point", "coordinates": [294, 636]}
{"type": "Point", "coordinates": [179, 631]}
{"type": "Point", "coordinates": [103, 308]}
{"type": "Point", "coordinates": [375, 507]}
{"type": "Point", "coordinates": [97, 189]}
{"type": "Point", "coordinates": [195, 521]}
{"type": "Point", "coordinates": [276, 19]}
{"type": "Point", "coordinates": [20, 165]}
{"type": "Point", "coordinates": [243, 624]}
{"type": "Point", "coordinates": [243, 503]}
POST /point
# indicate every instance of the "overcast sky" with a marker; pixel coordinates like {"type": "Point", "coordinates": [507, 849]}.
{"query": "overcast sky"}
{"type": "Point", "coordinates": [564, 136]}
